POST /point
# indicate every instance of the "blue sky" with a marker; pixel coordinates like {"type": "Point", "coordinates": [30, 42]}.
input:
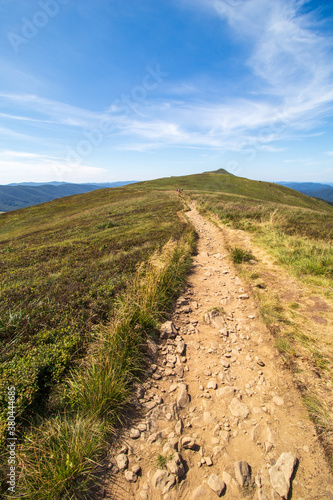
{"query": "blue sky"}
{"type": "Point", "coordinates": [139, 89]}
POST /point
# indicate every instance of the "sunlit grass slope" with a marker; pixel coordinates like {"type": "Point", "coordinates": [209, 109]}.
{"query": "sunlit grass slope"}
{"type": "Point", "coordinates": [296, 231]}
{"type": "Point", "coordinates": [295, 228]}
{"type": "Point", "coordinates": [85, 279]}
{"type": "Point", "coordinates": [62, 265]}
{"type": "Point", "coordinates": [222, 182]}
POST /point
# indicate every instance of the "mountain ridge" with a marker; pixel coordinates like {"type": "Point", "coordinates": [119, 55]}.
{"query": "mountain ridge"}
{"type": "Point", "coordinates": [313, 189]}
{"type": "Point", "coordinates": [21, 195]}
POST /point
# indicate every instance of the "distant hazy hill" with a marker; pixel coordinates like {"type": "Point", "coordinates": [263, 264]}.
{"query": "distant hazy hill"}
{"type": "Point", "coordinates": [315, 189]}
{"type": "Point", "coordinates": [15, 196]}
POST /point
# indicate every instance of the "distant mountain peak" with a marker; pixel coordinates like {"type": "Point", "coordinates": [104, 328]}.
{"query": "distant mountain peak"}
{"type": "Point", "coordinates": [221, 171]}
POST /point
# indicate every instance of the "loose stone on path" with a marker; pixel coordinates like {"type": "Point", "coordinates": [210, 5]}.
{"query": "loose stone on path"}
{"type": "Point", "coordinates": [217, 403]}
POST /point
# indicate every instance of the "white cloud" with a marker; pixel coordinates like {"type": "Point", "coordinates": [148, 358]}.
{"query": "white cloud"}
{"type": "Point", "coordinates": [33, 167]}
{"type": "Point", "coordinates": [51, 111]}
{"type": "Point", "coordinates": [8, 154]}
{"type": "Point", "coordinates": [289, 60]}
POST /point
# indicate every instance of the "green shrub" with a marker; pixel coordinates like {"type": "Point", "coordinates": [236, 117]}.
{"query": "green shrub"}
{"type": "Point", "coordinates": [239, 255]}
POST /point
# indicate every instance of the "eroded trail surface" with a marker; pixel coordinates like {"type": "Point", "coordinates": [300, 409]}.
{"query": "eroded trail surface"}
{"type": "Point", "coordinates": [220, 414]}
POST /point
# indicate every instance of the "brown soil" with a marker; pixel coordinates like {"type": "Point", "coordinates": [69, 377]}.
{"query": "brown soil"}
{"type": "Point", "coordinates": [277, 421]}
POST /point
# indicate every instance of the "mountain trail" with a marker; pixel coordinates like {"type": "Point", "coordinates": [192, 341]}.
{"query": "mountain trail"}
{"type": "Point", "coordinates": [220, 416]}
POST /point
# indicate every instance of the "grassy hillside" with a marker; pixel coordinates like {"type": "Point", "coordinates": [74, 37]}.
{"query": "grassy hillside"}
{"type": "Point", "coordinates": [16, 196]}
{"type": "Point", "coordinates": [64, 267]}
{"type": "Point", "coordinates": [295, 228]}
{"type": "Point", "coordinates": [223, 182]}
{"type": "Point", "coordinates": [296, 231]}
{"type": "Point", "coordinates": [62, 264]}
{"type": "Point", "coordinates": [85, 279]}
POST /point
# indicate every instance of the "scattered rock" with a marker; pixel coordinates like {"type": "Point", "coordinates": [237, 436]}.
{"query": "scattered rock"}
{"type": "Point", "coordinates": [212, 384]}
{"type": "Point", "coordinates": [181, 348]}
{"type": "Point", "coordinates": [171, 358]}
{"type": "Point", "coordinates": [140, 392]}
{"type": "Point", "coordinates": [179, 427]}
{"type": "Point", "coordinates": [176, 466]}
{"type": "Point", "coordinates": [122, 461]}
{"type": "Point", "coordinates": [152, 347]}
{"type": "Point", "coordinates": [243, 296]}
{"type": "Point", "coordinates": [260, 363]}
{"type": "Point", "coordinates": [136, 469]}
{"type": "Point", "coordinates": [278, 401]}
{"type": "Point", "coordinates": [243, 473]}
{"type": "Point", "coordinates": [238, 409]}
{"type": "Point", "coordinates": [225, 363]}
{"type": "Point", "coordinates": [281, 473]}
{"type": "Point", "coordinates": [158, 399]}
{"type": "Point", "coordinates": [183, 398]}
{"type": "Point", "coordinates": [188, 443]}
{"type": "Point", "coordinates": [173, 443]}
{"type": "Point", "coordinates": [170, 483]}
{"type": "Point", "coordinates": [268, 446]}
{"type": "Point", "coordinates": [225, 392]}
{"type": "Point", "coordinates": [135, 433]}
{"type": "Point", "coordinates": [168, 330]}
{"type": "Point", "coordinates": [160, 479]}
{"type": "Point", "coordinates": [182, 302]}
{"type": "Point", "coordinates": [154, 437]}
{"type": "Point", "coordinates": [130, 476]}
{"type": "Point", "coordinates": [179, 371]}
{"type": "Point", "coordinates": [215, 318]}
{"type": "Point", "coordinates": [149, 405]}
{"type": "Point", "coordinates": [216, 484]}
{"type": "Point", "coordinates": [229, 481]}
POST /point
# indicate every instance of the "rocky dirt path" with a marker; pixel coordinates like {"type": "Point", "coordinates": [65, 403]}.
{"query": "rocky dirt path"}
{"type": "Point", "coordinates": [220, 414]}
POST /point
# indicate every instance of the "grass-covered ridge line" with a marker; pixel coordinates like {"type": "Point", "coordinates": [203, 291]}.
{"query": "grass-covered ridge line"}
{"type": "Point", "coordinates": [300, 238]}
{"type": "Point", "coordinates": [63, 264]}
{"type": "Point", "coordinates": [59, 458]}
{"type": "Point", "coordinates": [241, 188]}
{"type": "Point", "coordinates": [66, 306]}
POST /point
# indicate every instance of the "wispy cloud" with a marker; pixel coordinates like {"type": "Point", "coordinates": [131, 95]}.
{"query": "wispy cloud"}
{"type": "Point", "coordinates": [23, 118]}
{"type": "Point", "coordinates": [286, 51]}
{"type": "Point", "coordinates": [290, 62]}
{"type": "Point", "coordinates": [33, 166]}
